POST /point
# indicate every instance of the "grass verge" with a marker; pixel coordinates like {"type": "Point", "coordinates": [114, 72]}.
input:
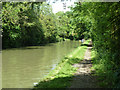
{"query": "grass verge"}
{"type": "Point", "coordinates": [61, 76]}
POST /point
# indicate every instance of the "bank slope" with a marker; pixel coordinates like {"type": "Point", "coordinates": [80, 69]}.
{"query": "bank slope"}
{"type": "Point", "coordinates": [61, 76]}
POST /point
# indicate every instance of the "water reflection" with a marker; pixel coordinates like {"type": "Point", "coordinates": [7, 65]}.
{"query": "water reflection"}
{"type": "Point", "coordinates": [24, 66]}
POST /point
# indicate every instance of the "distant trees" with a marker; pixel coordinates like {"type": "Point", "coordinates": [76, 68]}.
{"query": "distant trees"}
{"type": "Point", "coordinates": [77, 24]}
{"type": "Point", "coordinates": [48, 21]}
{"type": "Point", "coordinates": [31, 23]}
{"type": "Point", "coordinates": [62, 22]}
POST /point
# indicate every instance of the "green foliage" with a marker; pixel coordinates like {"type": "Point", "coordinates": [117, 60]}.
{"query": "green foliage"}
{"type": "Point", "coordinates": [47, 18]}
{"type": "Point", "coordinates": [20, 25]}
{"type": "Point", "coordinates": [63, 24]}
{"type": "Point", "coordinates": [101, 22]}
{"type": "Point", "coordinates": [33, 23]}
{"type": "Point", "coordinates": [78, 23]}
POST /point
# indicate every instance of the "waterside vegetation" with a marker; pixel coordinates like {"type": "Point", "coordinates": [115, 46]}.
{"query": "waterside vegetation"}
{"type": "Point", "coordinates": [33, 23]}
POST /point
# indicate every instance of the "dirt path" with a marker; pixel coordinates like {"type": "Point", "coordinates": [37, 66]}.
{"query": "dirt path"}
{"type": "Point", "coordinates": [83, 77]}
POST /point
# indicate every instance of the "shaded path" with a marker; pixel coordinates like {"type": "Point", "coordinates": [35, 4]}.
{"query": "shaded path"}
{"type": "Point", "coordinates": [83, 78]}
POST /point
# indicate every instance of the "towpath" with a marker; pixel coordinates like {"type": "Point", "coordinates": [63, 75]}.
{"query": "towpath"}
{"type": "Point", "coordinates": [83, 77]}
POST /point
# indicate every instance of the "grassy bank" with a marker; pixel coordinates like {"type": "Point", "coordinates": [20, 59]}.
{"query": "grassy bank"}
{"type": "Point", "coordinates": [61, 76]}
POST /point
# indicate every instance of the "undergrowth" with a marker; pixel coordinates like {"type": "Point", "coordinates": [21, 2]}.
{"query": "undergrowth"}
{"type": "Point", "coordinates": [107, 71]}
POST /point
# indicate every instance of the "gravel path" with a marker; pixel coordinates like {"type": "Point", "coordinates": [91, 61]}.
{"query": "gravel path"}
{"type": "Point", "coordinates": [83, 77]}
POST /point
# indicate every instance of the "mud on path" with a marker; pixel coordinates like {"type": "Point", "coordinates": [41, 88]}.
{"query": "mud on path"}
{"type": "Point", "coordinates": [83, 78]}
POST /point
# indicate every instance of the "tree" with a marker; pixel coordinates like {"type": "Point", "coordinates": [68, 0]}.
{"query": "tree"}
{"type": "Point", "coordinates": [102, 21]}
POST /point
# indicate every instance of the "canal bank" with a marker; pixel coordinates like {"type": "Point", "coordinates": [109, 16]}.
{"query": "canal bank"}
{"type": "Point", "coordinates": [63, 73]}
{"type": "Point", "coordinates": [21, 67]}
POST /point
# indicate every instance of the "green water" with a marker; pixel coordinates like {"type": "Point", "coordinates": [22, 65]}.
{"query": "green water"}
{"type": "Point", "coordinates": [21, 67]}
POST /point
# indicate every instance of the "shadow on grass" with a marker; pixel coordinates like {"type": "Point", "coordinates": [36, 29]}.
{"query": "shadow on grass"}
{"type": "Point", "coordinates": [64, 80]}
{"type": "Point", "coordinates": [60, 82]}
{"type": "Point", "coordinates": [67, 82]}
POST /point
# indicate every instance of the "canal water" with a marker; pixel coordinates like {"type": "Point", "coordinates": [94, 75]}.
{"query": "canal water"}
{"type": "Point", "coordinates": [21, 67]}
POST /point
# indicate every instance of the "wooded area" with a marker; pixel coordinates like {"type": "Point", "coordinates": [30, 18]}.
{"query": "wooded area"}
{"type": "Point", "coordinates": [28, 24]}
{"type": "Point", "coordinates": [102, 20]}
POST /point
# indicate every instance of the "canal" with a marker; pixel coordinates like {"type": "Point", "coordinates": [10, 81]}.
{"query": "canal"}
{"type": "Point", "coordinates": [21, 67]}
